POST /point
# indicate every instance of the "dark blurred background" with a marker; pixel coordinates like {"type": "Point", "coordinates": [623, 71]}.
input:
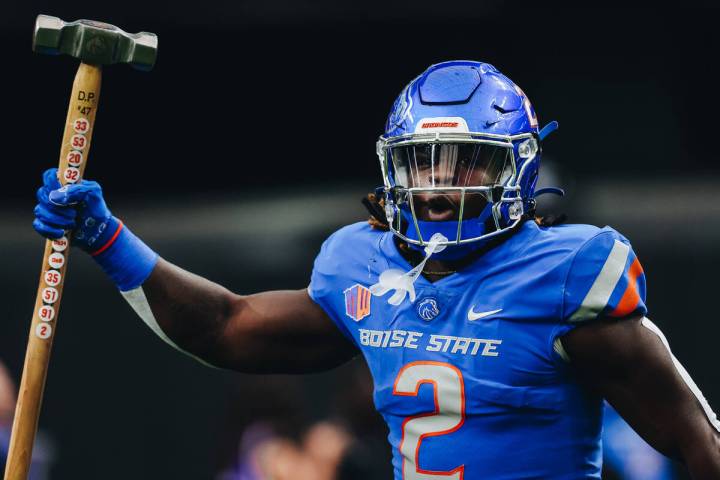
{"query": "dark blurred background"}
{"type": "Point", "coordinates": [253, 139]}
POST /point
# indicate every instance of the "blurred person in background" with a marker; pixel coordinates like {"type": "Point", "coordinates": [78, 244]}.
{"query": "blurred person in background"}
{"type": "Point", "coordinates": [487, 330]}
{"type": "Point", "coordinates": [43, 454]}
{"type": "Point", "coordinates": [7, 410]}
{"type": "Point", "coordinates": [265, 455]}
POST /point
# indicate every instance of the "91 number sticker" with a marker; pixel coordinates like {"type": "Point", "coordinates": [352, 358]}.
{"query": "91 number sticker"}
{"type": "Point", "coordinates": [46, 313]}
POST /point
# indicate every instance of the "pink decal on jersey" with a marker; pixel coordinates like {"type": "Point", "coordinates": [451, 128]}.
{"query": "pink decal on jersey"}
{"type": "Point", "coordinates": [357, 302]}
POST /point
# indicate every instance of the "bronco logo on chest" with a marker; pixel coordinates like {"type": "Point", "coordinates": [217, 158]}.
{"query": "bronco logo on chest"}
{"type": "Point", "coordinates": [427, 308]}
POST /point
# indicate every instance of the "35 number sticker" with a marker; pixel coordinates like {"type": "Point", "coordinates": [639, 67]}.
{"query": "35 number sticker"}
{"type": "Point", "coordinates": [52, 277]}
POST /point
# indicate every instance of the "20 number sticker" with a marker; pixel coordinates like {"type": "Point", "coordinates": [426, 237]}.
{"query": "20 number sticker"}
{"type": "Point", "coordinates": [74, 158]}
{"type": "Point", "coordinates": [46, 313]}
{"type": "Point", "coordinates": [43, 330]}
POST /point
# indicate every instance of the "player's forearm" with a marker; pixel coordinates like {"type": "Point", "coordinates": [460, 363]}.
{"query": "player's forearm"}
{"type": "Point", "coordinates": [268, 332]}
{"type": "Point", "coordinates": [192, 311]}
{"type": "Point", "coordinates": [702, 456]}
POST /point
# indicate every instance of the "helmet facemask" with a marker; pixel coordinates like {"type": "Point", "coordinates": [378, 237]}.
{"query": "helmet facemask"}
{"type": "Point", "coordinates": [463, 186]}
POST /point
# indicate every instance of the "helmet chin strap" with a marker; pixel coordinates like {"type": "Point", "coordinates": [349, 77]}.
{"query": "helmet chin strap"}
{"type": "Point", "coordinates": [470, 228]}
{"type": "Point", "coordinates": [403, 283]}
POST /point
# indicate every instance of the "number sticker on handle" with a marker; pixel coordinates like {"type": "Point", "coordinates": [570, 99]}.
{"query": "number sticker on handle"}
{"type": "Point", "coordinates": [71, 175]}
{"type": "Point", "coordinates": [449, 414]}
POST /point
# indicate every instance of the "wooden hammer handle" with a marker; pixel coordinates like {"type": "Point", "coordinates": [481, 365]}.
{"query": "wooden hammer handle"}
{"type": "Point", "coordinates": [73, 158]}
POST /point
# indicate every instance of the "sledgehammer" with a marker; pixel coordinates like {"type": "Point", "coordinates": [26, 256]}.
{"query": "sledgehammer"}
{"type": "Point", "coordinates": [95, 44]}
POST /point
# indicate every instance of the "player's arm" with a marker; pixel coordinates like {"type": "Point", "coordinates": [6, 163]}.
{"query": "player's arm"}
{"type": "Point", "coordinates": [272, 332]}
{"type": "Point", "coordinates": [629, 363]}
{"type": "Point", "coordinates": [279, 332]}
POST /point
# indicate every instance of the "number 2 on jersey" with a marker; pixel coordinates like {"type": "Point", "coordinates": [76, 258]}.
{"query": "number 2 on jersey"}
{"type": "Point", "coordinates": [449, 414]}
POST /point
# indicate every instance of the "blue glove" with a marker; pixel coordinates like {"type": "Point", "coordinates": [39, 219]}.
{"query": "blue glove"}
{"type": "Point", "coordinates": [81, 208]}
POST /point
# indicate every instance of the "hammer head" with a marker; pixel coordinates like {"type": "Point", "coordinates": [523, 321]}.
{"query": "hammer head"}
{"type": "Point", "coordinates": [93, 42]}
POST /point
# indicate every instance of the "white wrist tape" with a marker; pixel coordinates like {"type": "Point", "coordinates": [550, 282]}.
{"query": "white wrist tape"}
{"type": "Point", "coordinates": [138, 301]}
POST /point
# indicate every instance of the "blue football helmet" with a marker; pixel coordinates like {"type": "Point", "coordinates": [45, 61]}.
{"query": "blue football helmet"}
{"type": "Point", "coordinates": [459, 156]}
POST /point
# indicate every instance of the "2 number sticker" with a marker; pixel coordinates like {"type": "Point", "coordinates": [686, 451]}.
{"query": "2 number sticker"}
{"type": "Point", "coordinates": [448, 416]}
{"type": "Point", "coordinates": [43, 330]}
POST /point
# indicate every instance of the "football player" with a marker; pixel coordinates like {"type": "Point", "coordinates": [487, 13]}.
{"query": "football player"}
{"type": "Point", "coordinates": [492, 336]}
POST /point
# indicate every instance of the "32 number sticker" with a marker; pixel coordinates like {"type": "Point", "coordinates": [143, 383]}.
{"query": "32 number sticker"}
{"type": "Point", "coordinates": [71, 175]}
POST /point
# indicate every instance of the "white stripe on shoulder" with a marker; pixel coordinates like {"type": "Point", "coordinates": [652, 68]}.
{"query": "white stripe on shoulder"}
{"type": "Point", "coordinates": [712, 418]}
{"type": "Point", "coordinates": [599, 294]}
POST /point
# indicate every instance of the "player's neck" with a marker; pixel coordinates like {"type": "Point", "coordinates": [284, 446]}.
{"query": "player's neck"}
{"type": "Point", "coordinates": [435, 269]}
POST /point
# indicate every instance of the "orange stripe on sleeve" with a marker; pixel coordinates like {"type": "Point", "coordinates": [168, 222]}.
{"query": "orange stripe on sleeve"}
{"type": "Point", "coordinates": [630, 298]}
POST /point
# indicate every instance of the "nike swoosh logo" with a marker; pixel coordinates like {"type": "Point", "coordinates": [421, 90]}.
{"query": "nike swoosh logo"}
{"type": "Point", "coordinates": [473, 315]}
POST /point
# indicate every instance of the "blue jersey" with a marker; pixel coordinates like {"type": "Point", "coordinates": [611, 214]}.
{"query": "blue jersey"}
{"type": "Point", "coordinates": [469, 377]}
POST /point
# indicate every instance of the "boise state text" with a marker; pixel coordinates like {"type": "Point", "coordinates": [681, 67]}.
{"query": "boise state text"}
{"type": "Point", "coordinates": [435, 343]}
{"type": "Point", "coordinates": [454, 414]}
